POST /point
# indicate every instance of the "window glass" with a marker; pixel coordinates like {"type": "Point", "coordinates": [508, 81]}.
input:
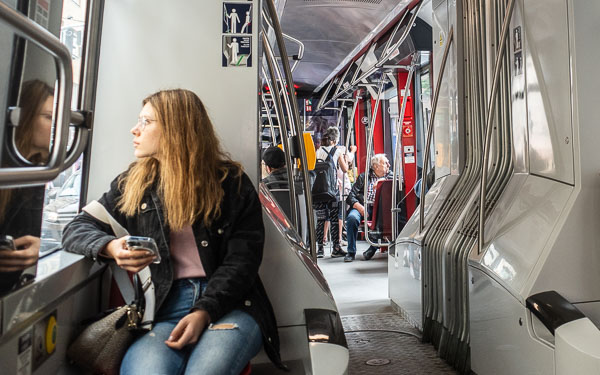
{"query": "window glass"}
{"type": "Point", "coordinates": [61, 201]}
{"type": "Point", "coordinates": [425, 99]}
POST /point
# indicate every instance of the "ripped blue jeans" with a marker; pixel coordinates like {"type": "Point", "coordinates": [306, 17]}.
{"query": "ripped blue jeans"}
{"type": "Point", "coordinates": [219, 351]}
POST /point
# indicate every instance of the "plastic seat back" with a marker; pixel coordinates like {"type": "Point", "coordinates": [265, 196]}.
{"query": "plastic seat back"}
{"type": "Point", "coordinates": [381, 218]}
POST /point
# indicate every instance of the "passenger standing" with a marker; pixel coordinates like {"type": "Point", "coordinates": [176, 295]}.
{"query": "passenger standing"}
{"type": "Point", "coordinates": [213, 314]}
{"type": "Point", "coordinates": [344, 186]}
{"type": "Point", "coordinates": [329, 210]}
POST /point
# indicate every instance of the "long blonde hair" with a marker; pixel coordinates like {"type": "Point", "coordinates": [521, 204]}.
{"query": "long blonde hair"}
{"type": "Point", "coordinates": [192, 164]}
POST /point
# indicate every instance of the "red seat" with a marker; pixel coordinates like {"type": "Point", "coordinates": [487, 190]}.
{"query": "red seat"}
{"type": "Point", "coordinates": [247, 370]}
{"type": "Point", "coordinates": [381, 218]}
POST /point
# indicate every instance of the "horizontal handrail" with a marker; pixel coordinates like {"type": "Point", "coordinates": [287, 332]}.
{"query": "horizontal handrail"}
{"type": "Point", "coordinates": [27, 28]}
{"type": "Point", "coordinates": [300, 55]}
{"type": "Point", "coordinates": [385, 57]}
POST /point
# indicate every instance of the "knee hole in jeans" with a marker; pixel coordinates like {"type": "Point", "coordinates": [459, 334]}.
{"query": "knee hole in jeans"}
{"type": "Point", "coordinates": [222, 326]}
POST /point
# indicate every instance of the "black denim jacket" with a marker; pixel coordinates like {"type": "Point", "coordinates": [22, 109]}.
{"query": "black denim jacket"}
{"type": "Point", "coordinates": [230, 249]}
{"type": "Point", "coordinates": [357, 191]}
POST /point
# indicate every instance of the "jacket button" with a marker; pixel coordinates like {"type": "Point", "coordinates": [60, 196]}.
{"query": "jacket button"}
{"type": "Point", "coordinates": [248, 303]}
{"type": "Point", "coordinates": [269, 339]}
{"type": "Point", "coordinates": [204, 243]}
{"type": "Point", "coordinates": [144, 205]}
{"type": "Point", "coordinates": [220, 230]}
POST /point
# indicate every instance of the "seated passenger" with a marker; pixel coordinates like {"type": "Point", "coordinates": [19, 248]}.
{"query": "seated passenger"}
{"type": "Point", "coordinates": [380, 167]}
{"type": "Point", "coordinates": [213, 314]}
{"type": "Point", "coordinates": [274, 159]}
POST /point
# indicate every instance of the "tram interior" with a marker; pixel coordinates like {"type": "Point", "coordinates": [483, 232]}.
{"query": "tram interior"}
{"type": "Point", "coordinates": [485, 228]}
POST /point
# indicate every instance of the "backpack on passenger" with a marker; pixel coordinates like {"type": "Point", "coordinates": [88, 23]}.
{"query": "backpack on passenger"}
{"type": "Point", "coordinates": [324, 187]}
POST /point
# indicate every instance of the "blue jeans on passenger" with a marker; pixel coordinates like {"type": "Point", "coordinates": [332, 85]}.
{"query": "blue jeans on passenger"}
{"type": "Point", "coordinates": [218, 351]}
{"type": "Point", "coordinates": [352, 223]}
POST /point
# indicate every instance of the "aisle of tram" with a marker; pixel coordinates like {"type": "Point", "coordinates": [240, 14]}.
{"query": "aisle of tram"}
{"type": "Point", "coordinates": [380, 341]}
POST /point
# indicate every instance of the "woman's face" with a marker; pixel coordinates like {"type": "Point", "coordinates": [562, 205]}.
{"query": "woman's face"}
{"type": "Point", "coordinates": [146, 134]}
{"type": "Point", "coordinates": [42, 128]}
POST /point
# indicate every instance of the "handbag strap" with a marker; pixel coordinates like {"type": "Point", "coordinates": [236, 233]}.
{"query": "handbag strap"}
{"type": "Point", "coordinates": [98, 211]}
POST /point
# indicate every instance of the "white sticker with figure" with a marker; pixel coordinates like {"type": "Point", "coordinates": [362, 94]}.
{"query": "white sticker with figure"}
{"type": "Point", "coordinates": [233, 15]}
{"type": "Point", "coordinates": [237, 50]}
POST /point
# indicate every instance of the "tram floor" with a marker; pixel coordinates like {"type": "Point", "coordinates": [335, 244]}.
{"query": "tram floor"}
{"type": "Point", "coordinates": [380, 341]}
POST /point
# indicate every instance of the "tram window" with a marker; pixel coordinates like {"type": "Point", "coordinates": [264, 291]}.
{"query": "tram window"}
{"type": "Point", "coordinates": [425, 99]}
{"type": "Point", "coordinates": [27, 135]}
{"type": "Point", "coordinates": [61, 201]}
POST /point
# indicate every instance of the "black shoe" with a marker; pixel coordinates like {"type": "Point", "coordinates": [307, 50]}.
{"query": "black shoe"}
{"type": "Point", "coordinates": [349, 258]}
{"type": "Point", "coordinates": [369, 253]}
{"type": "Point", "coordinates": [337, 252]}
{"type": "Point", "coordinates": [320, 252]}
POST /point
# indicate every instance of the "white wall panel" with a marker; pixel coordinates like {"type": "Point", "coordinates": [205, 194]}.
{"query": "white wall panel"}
{"type": "Point", "coordinates": [548, 89]}
{"type": "Point", "coordinates": [151, 45]}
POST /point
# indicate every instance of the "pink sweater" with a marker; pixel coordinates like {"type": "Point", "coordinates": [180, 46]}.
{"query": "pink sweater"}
{"type": "Point", "coordinates": [184, 255]}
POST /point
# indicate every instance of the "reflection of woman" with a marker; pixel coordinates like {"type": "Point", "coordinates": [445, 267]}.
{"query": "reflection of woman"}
{"type": "Point", "coordinates": [35, 122]}
{"type": "Point", "coordinates": [213, 314]}
{"type": "Point", "coordinates": [21, 209]}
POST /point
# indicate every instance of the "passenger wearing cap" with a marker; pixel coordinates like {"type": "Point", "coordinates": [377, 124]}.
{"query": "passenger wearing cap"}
{"type": "Point", "coordinates": [274, 160]}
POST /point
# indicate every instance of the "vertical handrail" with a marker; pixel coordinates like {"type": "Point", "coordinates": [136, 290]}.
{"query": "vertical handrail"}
{"type": "Point", "coordinates": [296, 116]}
{"type": "Point", "coordinates": [285, 140]}
{"type": "Point", "coordinates": [368, 164]}
{"type": "Point", "coordinates": [341, 114]}
{"type": "Point", "coordinates": [269, 119]}
{"type": "Point", "coordinates": [398, 151]}
{"type": "Point", "coordinates": [436, 95]}
{"type": "Point", "coordinates": [488, 125]}
{"type": "Point", "coordinates": [351, 122]}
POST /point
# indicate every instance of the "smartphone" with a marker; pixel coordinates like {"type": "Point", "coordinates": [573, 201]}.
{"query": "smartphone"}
{"type": "Point", "coordinates": [7, 243]}
{"type": "Point", "coordinates": [143, 243]}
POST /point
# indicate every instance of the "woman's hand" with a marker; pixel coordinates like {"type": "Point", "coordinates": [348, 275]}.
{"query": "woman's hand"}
{"type": "Point", "coordinates": [26, 255]}
{"type": "Point", "coordinates": [129, 260]}
{"type": "Point", "coordinates": [188, 330]}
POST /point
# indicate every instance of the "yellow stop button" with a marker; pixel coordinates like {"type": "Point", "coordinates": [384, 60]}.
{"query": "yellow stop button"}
{"type": "Point", "coordinates": [51, 334]}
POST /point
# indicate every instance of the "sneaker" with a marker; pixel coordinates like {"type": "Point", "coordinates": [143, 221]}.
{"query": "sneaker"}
{"type": "Point", "coordinates": [337, 252]}
{"type": "Point", "coordinates": [349, 258]}
{"type": "Point", "coordinates": [344, 243]}
{"type": "Point", "coordinates": [320, 252]}
{"type": "Point", "coordinates": [369, 253]}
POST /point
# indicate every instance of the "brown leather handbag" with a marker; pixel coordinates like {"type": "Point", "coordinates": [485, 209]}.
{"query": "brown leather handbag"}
{"type": "Point", "coordinates": [100, 347]}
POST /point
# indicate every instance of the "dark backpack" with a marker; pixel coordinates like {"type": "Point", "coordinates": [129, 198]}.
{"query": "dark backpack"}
{"type": "Point", "coordinates": [324, 187]}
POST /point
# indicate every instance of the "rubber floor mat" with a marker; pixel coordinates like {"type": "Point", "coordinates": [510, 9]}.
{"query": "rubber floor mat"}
{"type": "Point", "coordinates": [388, 344]}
